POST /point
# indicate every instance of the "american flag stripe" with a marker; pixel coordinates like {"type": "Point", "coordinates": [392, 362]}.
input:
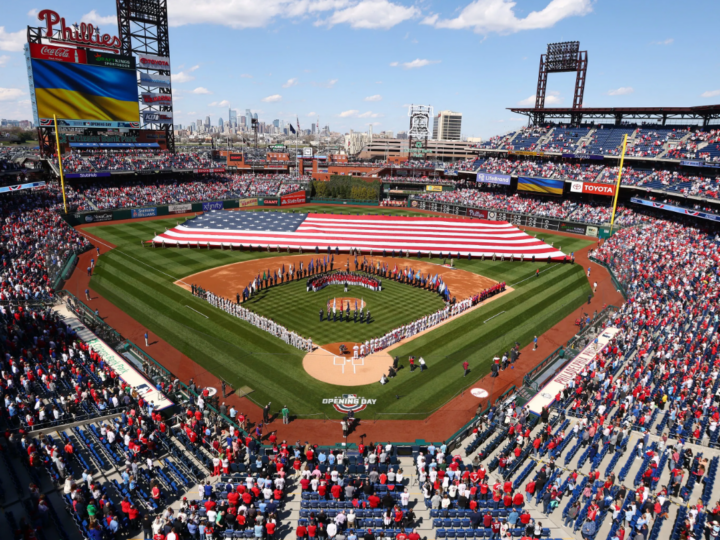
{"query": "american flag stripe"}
{"type": "Point", "coordinates": [278, 229]}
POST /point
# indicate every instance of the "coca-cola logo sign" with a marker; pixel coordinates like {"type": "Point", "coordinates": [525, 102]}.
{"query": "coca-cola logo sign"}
{"type": "Point", "coordinates": [84, 34]}
{"type": "Point", "coordinates": [58, 54]}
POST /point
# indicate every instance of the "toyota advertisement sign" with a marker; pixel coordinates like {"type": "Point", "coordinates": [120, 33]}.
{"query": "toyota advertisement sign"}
{"type": "Point", "coordinates": [592, 188]}
{"type": "Point", "coordinates": [150, 61]}
{"type": "Point", "coordinates": [499, 179]}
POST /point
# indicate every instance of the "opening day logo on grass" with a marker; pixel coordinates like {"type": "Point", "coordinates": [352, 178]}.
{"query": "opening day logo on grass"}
{"type": "Point", "coordinates": [349, 402]}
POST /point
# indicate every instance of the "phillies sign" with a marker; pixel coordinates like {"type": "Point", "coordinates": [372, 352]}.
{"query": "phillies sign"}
{"type": "Point", "coordinates": [84, 35]}
{"type": "Point", "coordinates": [592, 188]}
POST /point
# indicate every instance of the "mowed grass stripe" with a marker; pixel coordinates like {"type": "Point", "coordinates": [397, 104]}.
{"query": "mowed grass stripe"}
{"type": "Point", "coordinates": [495, 337]}
{"type": "Point", "coordinates": [224, 353]}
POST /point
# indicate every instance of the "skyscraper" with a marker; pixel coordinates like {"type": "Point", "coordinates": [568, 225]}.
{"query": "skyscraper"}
{"type": "Point", "coordinates": [276, 123]}
{"type": "Point", "coordinates": [207, 122]}
{"type": "Point", "coordinates": [220, 123]}
{"type": "Point", "coordinates": [199, 125]}
{"type": "Point", "coordinates": [248, 118]}
{"type": "Point", "coordinates": [447, 126]}
{"type": "Point", "coordinates": [232, 118]}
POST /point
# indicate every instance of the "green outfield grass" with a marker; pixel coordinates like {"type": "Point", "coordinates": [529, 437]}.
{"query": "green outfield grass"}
{"type": "Point", "coordinates": [139, 280]}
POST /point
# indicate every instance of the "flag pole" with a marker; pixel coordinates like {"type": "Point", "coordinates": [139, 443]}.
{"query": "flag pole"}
{"type": "Point", "coordinates": [59, 155]}
{"type": "Point", "coordinates": [617, 186]}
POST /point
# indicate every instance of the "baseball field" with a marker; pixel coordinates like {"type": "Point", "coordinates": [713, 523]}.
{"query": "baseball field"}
{"type": "Point", "coordinates": [140, 280]}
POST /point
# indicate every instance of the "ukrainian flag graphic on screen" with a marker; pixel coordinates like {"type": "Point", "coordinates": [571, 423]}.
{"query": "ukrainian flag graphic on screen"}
{"type": "Point", "coordinates": [541, 185]}
{"type": "Point", "coordinates": [82, 92]}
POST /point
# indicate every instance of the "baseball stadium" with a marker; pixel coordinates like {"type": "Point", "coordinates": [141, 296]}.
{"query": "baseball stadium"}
{"type": "Point", "coordinates": [261, 331]}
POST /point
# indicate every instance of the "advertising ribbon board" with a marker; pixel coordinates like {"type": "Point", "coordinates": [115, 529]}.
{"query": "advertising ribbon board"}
{"type": "Point", "coordinates": [130, 375]}
{"type": "Point", "coordinates": [433, 188]}
{"type": "Point", "coordinates": [546, 396]}
{"type": "Point", "coordinates": [499, 179]}
{"type": "Point", "coordinates": [150, 61]}
{"type": "Point", "coordinates": [88, 175]}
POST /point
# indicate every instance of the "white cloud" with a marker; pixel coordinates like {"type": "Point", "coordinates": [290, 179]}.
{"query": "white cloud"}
{"type": "Point", "coordinates": [9, 94]}
{"type": "Point", "coordinates": [291, 82]}
{"type": "Point", "coordinates": [201, 90]}
{"type": "Point", "coordinates": [246, 76]}
{"type": "Point", "coordinates": [668, 41]}
{"type": "Point", "coordinates": [251, 14]}
{"type": "Point", "coordinates": [272, 99]}
{"type": "Point", "coordinates": [98, 20]}
{"type": "Point", "coordinates": [710, 93]}
{"type": "Point", "coordinates": [184, 76]}
{"type": "Point", "coordinates": [370, 114]}
{"type": "Point", "coordinates": [348, 114]}
{"type": "Point", "coordinates": [485, 16]}
{"type": "Point", "coordinates": [4, 60]}
{"type": "Point", "coordinates": [311, 114]}
{"type": "Point", "coordinates": [417, 63]}
{"type": "Point", "coordinates": [376, 97]}
{"type": "Point", "coordinates": [326, 84]}
{"type": "Point", "coordinates": [33, 12]}
{"type": "Point", "coordinates": [373, 14]}
{"type": "Point", "coordinates": [223, 103]}
{"type": "Point", "coordinates": [551, 98]}
{"type": "Point", "coordinates": [12, 41]}
{"type": "Point", "coordinates": [622, 91]}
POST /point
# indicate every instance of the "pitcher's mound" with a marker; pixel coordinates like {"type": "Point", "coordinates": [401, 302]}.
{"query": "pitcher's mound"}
{"type": "Point", "coordinates": [328, 364]}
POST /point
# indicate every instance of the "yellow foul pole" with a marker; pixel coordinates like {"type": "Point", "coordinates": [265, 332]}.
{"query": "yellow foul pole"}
{"type": "Point", "coordinates": [617, 186]}
{"type": "Point", "coordinates": [59, 155]}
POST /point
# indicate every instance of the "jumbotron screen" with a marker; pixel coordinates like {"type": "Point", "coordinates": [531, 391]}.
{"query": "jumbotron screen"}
{"type": "Point", "coordinates": [84, 88]}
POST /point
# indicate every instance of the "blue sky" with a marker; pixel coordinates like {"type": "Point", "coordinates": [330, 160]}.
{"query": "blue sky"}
{"type": "Point", "coordinates": [356, 62]}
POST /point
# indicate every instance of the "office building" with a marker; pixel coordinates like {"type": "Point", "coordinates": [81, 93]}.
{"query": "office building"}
{"type": "Point", "coordinates": [447, 126]}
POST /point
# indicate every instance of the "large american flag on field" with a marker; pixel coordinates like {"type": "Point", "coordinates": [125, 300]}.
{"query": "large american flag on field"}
{"type": "Point", "coordinates": [424, 234]}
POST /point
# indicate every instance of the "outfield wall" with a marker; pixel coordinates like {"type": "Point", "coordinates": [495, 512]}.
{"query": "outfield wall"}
{"type": "Point", "coordinates": [525, 220]}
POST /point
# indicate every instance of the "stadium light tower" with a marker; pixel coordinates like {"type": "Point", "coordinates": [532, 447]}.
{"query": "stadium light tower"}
{"type": "Point", "coordinates": [561, 58]}
{"type": "Point", "coordinates": [143, 29]}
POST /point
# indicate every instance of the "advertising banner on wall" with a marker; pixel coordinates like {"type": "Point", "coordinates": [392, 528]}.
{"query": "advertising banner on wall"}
{"type": "Point", "coordinates": [592, 188]}
{"type": "Point", "coordinates": [243, 203]}
{"type": "Point", "coordinates": [150, 98]}
{"type": "Point", "coordinates": [179, 208]}
{"type": "Point", "coordinates": [499, 179]}
{"type": "Point", "coordinates": [293, 198]}
{"type": "Point", "coordinates": [157, 117]}
{"type": "Point", "coordinates": [150, 61]}
{"type": "Point", "coordinates": [433, 188]}
{"type": "Point", "coordinates": [153, 80]}
{"type": "Point", "coordinates": [214, 205]}
{"type": "Point", "coordinates": [100, 216]}
{"type": "Point", "coordinates": [481, 214]}
{"type": "Point", "coordinates": [208, 171]}
{"type": "Point", "coordinates": [143, 212]}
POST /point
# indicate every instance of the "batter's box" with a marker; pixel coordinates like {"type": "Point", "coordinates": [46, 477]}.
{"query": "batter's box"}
{"type": "Point", "coordinates": [342, 362]}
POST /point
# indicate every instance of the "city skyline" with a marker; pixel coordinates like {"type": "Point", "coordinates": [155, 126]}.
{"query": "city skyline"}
{"type": "Point", "coordinates": [356, 63]}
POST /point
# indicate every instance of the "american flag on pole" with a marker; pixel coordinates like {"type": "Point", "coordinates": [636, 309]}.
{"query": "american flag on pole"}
{"type": "Point", "coordinates": [279, 229]}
